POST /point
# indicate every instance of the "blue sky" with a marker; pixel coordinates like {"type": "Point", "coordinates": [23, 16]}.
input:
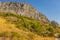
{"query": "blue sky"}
{"type": "Point", "coordinates": [50, 8]}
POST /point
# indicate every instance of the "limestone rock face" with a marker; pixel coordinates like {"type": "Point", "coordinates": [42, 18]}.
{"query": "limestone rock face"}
{"type": "Point", "coordinates": [22, 9]}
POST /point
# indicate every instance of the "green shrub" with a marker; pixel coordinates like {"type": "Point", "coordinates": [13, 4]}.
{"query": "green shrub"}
{"type": "Point", "coordinates": [37, 27]}
{"type": "Point", "coordinates": [10, 14]}
{"type": "Point", "coordinates": [50, 29]}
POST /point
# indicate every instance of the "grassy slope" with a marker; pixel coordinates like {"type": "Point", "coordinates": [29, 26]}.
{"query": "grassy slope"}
{"type": "Point", "coordinates": [23, 28]}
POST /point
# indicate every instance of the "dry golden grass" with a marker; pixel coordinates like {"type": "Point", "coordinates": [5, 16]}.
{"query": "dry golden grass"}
{"type": "Point", "coordinates": [5, 26]}
{"type": "Point", "coordinates": [44, 38]}
{"type": "Point", "coordinates": [37, 37]}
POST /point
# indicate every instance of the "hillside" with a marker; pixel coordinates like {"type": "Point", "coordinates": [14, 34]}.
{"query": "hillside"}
{"type": "Point", "coordinates": [24, 28]}
{"type": "Point", "coordinates": [18, 23]}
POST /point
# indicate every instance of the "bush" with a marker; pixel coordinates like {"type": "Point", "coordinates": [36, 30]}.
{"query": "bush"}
{"type": "Point", "coordinates": [50, 29]}
{"type": "Point", "coordinates": [37, 27]}
{"type": "Point", "coordinates": [10, 14]}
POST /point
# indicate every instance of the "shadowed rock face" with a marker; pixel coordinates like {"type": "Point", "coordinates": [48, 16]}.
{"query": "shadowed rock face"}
{"type": "Point", "coordinates": [22, 9]}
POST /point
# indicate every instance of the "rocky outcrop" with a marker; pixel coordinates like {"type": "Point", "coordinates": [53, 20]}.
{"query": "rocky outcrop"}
{"type": "Point", "coordinates": [22, 9]}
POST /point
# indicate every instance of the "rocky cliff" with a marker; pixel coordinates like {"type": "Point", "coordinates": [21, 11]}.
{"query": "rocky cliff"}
{"type": "Point", "coordinates": [22, 9]}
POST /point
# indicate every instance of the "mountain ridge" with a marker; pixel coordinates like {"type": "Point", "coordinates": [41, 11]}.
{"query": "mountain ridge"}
{"type": "Point", "coordinates": [22, 9]}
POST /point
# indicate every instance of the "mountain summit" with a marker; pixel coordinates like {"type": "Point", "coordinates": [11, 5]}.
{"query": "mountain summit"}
{"type": "Point", "coordinates": [22, 9]}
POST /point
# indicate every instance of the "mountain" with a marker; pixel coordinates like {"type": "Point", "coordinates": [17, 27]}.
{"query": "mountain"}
{"type": "Point", "coordinates": [20, 21]}
{"type": "Point", "coordinates": [22, 9]}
